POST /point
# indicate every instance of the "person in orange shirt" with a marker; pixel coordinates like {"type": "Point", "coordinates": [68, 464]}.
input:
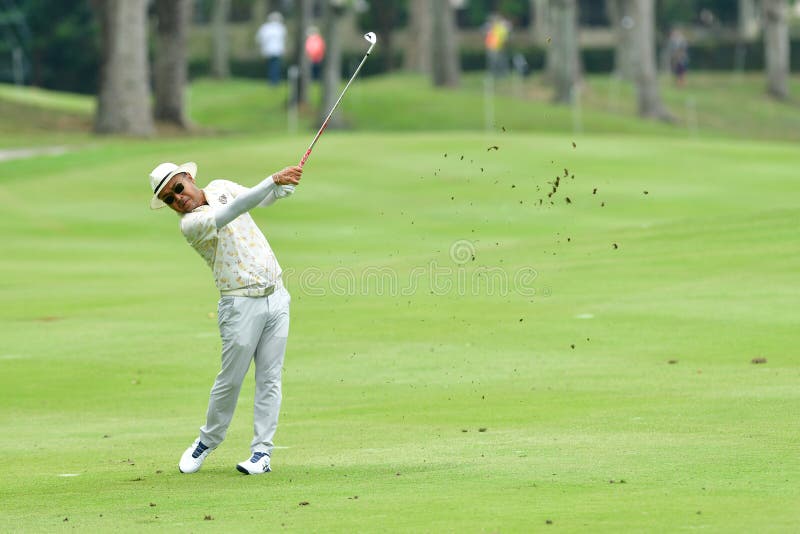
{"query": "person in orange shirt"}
{"type": "Point", "coordinates": [315, 50]}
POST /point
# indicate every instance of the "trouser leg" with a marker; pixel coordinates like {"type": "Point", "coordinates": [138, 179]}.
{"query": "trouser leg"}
{"type": "Point", "coordinates": [268, 366]}
{"type": "Point", "coordinates": [274, 69]}
{"type": "Point", "coordinates": [240, 324]}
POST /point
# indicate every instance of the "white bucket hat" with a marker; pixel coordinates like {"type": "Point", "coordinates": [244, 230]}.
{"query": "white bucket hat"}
{"type": "Point", "coordinates": [161, 176]}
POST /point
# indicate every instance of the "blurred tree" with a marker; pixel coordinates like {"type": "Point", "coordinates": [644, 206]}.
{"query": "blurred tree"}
{"type": "Point", "coordinates": [642, 21]}
{"type": "Point", "coordinates": [386, 14]}
{"type": "Point", "coordinates": [477, 12]}
{"type": "Point", "coordinates": [420, 29]}
{"type": "Point", "coordinates": [15, 46]}
{"type": "Point", "coordinates": [625, 48]}
{"type": "Point", "coordinates": [220, 55]}
{"type": "Point", "coordinates": [253, 13]}
{"type": "Point", "coordinates": [671, 13]}
{"type": "Point", "coordinates": [540, 27]}
{"type": "Point", "coordinates": [123, 105]}
{"type": "Point", "coordinates": [776, 47]}
{"type": "Point", "coordinates": [592, 13]}
{"type": "Point", "coordinates": [245, 11]}
{"type": "Point", "coordinates": [171, 66]}
{"type": "Point", "coordinates": [64, 43]}
{"type": "Point", "coordinates": [748, 19]}
{"type": "Point", "coordinates": [445, 67]}
{"type": "Point", "coordinates": [349, 26]}
{"type": "Point", "coordinates": [332, 13]}
{"type": "Point", "coordinates": [301, 59]}
{"type": "Point", "coordinates": [563, 50]}
{"type": "Point", "coordinates": [550, 54]}
{"type": "Point", "coordinates": [256, 14]}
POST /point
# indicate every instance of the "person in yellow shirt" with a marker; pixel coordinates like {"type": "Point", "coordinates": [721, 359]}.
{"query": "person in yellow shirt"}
{"type": "Point", "coordinates": [253, 312]}
{"type": "Point", "coordinates": [497, 31]}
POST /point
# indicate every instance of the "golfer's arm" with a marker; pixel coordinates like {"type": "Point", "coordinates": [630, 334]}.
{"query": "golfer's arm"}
{"type": "Point", "coordinates": [245, 202]}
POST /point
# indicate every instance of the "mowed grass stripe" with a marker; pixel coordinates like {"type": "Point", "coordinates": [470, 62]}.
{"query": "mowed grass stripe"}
{"type": "Point", "coordinates": [108, 329]}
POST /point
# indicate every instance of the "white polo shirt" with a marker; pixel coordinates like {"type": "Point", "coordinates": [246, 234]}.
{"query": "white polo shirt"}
{"type": "Point", "coordinates": [238, 253]}
{"type": "Point", "coordinates": [270, 38]}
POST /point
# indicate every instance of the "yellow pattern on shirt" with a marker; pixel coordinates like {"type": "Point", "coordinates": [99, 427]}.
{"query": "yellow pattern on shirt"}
{"type": "Point", "coordinates": [239, 255]}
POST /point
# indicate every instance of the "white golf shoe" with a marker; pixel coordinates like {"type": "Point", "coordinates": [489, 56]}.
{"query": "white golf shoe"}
{"type": "Point", "coordinates": [193, 458]}
{"type": "Point", "coordinates": [256, 465]}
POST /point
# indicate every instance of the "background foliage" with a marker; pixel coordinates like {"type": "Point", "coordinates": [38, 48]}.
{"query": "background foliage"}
{"type": "Point", "coordinates": [62, 37]}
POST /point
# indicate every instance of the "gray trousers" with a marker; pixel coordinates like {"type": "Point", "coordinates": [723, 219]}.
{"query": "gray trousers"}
{"type": "Point", "coordinates": [252, 329]}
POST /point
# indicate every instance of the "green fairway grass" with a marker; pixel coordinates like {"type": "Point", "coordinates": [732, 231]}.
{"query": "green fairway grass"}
{"type": "Point", "coordinates": [34, 117]}
{"type": "Point", "coordinates": [461, 358]}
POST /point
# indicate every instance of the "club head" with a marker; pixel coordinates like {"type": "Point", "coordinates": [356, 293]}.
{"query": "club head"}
{"type": "Point", "coordinates": [371, 37]}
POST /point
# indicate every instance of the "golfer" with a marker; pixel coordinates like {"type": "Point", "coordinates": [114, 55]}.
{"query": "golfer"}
{"type": "Point", "coordinates": [253, 313]}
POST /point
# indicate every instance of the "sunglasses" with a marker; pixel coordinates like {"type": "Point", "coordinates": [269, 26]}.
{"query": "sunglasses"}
{"type": "Point", "coordinates": [177, 190]}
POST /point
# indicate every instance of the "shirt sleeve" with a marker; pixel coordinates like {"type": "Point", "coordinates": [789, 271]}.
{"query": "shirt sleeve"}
{"type": "Point", "coordinates": [279, 192]}
{"type": "Point", "coordinates": [199, 226]}
{"type": "Point", "coordinates": [238, 189]}
{"type": "Point", "coordinates": [244, 201]}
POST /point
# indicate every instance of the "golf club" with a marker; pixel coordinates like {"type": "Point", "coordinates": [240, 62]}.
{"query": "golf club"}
{"type": "Point", "coordinates": [372, 38]}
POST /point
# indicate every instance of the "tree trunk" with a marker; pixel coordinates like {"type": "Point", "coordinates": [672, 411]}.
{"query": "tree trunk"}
{"type": "Point", "coordinates": [220, 56]}
{"type": "Point", "coordinates": [642, 14]}
{"type": "Point", "coordinates": [420, 30]}
{"type": "Point", "coordinates": [332, 70]}
{"type": "Point", "coordinates": [748, 20]}
{"type": "Point", "coordinates": [348, 25]}
{"type": "Point", "coordinates": [445, 60]}
{"type": "Point", "coordinates": [171, 73]}
{"type": "Point", "coordinates": [540, 23]}
{"type": "Point", "coordinates": [550, 53]}
{"type": "Point", "coordinates": [776, 47]}
{"type": "Point", "coordinates": [625, 48]}
{"type": "Point", "coordinates": [564, 49]}
{"type": "Point", "coordinates": [304, 8]}
{"type": "Point", "coordinates": [123, 104]}
{"type": "Point", "coordinates": [554, 58]}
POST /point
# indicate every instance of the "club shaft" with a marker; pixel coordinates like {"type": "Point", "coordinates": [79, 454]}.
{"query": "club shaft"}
{"type": "Point", "coordinates": [328, 118]}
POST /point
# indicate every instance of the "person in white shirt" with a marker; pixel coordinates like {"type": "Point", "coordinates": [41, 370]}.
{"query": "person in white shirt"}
{"type": "Point", "coordinates": [253, 312]}
{"type": "Point", "coordinates": [271, 39]}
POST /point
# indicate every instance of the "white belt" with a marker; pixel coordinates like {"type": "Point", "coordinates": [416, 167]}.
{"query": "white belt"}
{"type": "Point", "coordinates": [255, 291]}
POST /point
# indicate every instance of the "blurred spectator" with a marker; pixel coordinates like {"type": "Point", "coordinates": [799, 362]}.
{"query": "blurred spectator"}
{"type": "Point", "coordinates": [315, 50]}
{"type": "Point", "coordinates": [678, 49]}
{"type": "Point", "coordinates": [497, 30]}
{"type": "Point", "coordinates": [271, 39]}
{"type": "Point", "coordinates": [520, 64]}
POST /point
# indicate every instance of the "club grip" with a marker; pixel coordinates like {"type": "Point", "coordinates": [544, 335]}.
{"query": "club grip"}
{"type": "Point", "coordinates": [305, 158]}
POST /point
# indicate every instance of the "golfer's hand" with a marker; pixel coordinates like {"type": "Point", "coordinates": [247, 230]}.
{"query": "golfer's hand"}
{"type": "Point", "coordinates": [288, 176]}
